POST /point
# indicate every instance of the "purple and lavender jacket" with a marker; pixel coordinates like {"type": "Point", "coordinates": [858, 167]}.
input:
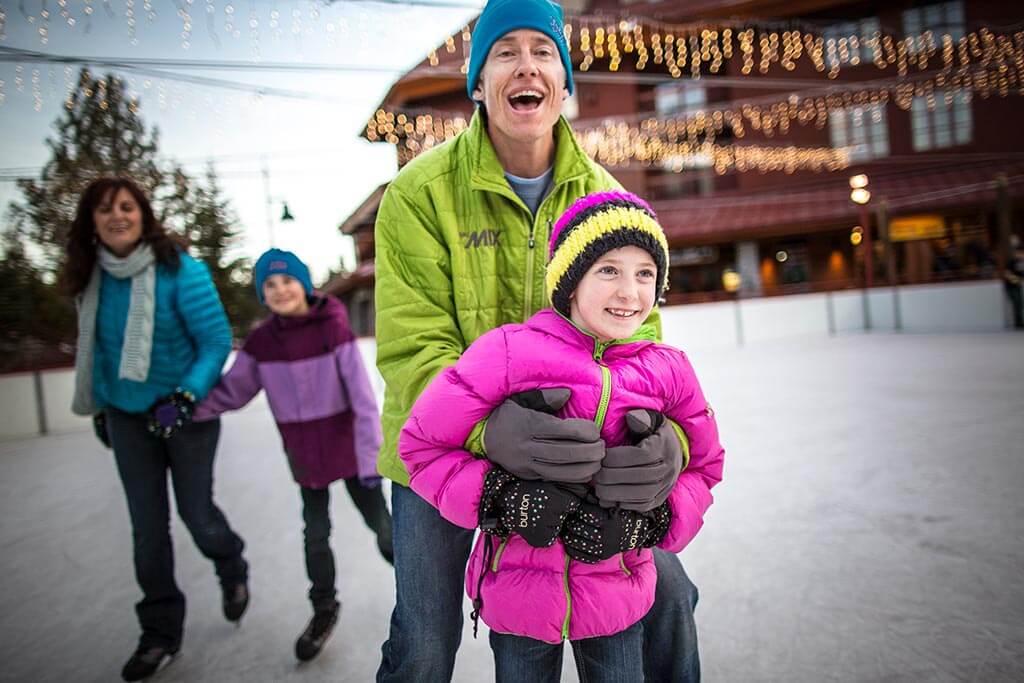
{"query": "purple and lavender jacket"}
{"type": "Point", "coordinates": [318, 391]}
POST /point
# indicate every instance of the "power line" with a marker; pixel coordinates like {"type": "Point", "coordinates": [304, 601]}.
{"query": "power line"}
{"type": "Point", "coordinates": [8, 54]}
{"type": "Point", "coordinates": [412, 3]}
{"type": "Point", "coordinates": [18, 55]}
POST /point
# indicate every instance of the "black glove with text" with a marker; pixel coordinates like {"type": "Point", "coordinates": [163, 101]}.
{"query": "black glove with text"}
{"type": "Point", "coordinates": [535, 510]}
{"type": "Point", "coordinates": [171, 413]}
{"type": "Point", "coordinates": [595, 533]}
{"type": "Point", "coordinates": [525, 438]}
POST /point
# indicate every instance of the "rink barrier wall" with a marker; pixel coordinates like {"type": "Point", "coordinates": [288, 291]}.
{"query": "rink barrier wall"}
{"type": "Point", "coordinates": [36, 403]}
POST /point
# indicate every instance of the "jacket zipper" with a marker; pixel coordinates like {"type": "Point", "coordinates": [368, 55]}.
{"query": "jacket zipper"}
{"type": "Point", "coordinates": [568, 600]}
{"type": "Point", "coordinates": [497, 555]}
{"type": "Point", "coordinates": [602, 410]}
{"type": "Point", "coordinates": [530, 244]}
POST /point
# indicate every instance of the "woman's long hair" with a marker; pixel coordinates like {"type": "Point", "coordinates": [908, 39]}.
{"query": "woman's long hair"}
{"type": "Point", "coordinates": [83, 242]}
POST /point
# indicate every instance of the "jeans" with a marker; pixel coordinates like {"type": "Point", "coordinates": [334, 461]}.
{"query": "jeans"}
{"type": "Point", "coordinates": [426, 624]}
{"type": "Point", "coordinates": [317, 533]}
{"type": "Point", "coordinates": [142, 463]}
{"type": "Point", "coordinates": [610, 659]}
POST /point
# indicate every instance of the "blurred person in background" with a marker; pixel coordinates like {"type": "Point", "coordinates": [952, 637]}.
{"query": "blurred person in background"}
{"type": "Point", "coordinates": [1013, 281]}
{"type": "Point", "coordinates": [152, 338]}
{"type": "Point", "coordinates": [306, 358]}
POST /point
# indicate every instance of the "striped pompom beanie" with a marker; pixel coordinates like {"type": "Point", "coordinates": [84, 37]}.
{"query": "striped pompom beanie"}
{"type": "Point", "coordinates": [593, 226]}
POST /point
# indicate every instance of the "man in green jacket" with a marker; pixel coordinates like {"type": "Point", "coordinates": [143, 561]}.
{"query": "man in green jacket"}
{"type": "Point", "coordinates": [460, 240]}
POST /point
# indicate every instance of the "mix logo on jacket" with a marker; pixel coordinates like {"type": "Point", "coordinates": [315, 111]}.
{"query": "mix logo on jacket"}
{"type": "Point", "coordinates": [480, 238]}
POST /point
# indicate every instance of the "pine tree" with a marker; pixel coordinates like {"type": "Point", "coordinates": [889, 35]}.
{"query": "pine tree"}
{"type": "Point", "coordinates": [37, 324]}
{"type": "Point", "coordinates": [99, 132]}
{"type": "Point", "coordinates": [211, 228]}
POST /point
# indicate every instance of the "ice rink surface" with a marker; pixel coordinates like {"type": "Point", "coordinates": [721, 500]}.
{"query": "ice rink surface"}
{"type": "Point", "coordinates": [870, 527]}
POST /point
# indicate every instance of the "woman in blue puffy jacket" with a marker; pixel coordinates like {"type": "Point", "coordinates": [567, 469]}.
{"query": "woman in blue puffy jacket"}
{"type": "Point", "coordinates": [152, 338]}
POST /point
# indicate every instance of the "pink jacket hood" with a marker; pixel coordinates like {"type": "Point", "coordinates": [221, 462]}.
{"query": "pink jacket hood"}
{"type": "Point", "coordinates": [542, 593]}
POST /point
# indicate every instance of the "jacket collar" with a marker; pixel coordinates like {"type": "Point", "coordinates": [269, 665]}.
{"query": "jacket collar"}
{"type": "Point", "coordinates": [319, 307]}
{"type": "Point", "coordinates": [550, 321]}
{"type": "Point", "coordinates": [571, 162]}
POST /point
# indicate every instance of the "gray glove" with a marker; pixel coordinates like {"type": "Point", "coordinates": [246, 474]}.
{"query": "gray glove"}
{"type": "Point", "coordinates": [532, 444]}
{"type": "Point", "coordinates": [641, 476]}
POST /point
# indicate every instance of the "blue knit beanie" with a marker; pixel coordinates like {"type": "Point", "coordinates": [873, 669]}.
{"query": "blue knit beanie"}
{"type": "Point", "coordinates": [504, 16]}
{"type": "Point", "coordinates": [278, 261]}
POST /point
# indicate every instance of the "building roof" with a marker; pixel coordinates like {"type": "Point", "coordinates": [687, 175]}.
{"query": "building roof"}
{"type": "Point", "coordinates": [743, 215]}
{"type": "Point", "coordinates": [365, 214]}
{"type": "Point", "coordinates": [362, 275]}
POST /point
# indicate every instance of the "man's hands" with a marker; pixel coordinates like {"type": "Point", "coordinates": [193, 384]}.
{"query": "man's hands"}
{"type": "Point", "coordinates": [641, 476]}
{"type": "Point", "coordinates": [535, 510]}
{"type": "Point", "coordinates": [525, 438]}
{"type": "Point", "coordinates": [170, 414]}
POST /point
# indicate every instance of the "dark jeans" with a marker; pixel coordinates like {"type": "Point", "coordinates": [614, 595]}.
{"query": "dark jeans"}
{"type": "Point", "coordinates": [316, 505]}
{"type": "Point", "coordinates": [142, 463]}
{"type": "Point", "coordinates": [426, 624]}
{"type": "Point", "coordinates": [611, 659]}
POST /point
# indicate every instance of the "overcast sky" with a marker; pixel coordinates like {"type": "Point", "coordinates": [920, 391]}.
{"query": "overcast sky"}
{"type": "Point", "coordinates": [317, 162]}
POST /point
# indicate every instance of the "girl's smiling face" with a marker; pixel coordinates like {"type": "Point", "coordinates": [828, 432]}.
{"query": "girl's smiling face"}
{"type": "Point", "coordinates": [616, 295]}
{"type": "Point", "coordinates": [284, 295]}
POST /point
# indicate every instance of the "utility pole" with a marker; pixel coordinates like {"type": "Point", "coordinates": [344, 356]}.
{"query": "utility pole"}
{"type": "Point", "coordinates": [265, 172]}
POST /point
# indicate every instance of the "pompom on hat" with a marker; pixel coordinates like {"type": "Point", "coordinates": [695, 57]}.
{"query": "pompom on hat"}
{"type": "Point", "coordinates": [593, 226]}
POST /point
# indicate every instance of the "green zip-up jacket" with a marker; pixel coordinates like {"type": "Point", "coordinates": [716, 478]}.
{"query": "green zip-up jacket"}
{"type": "Point", "coordinates": [458, 254]}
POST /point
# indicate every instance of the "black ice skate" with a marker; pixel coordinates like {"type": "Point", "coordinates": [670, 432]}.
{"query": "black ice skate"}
{"type": "Point", "coordinates": [236, 599]}
{"type": "Point", "coordinates": [146, 661]}
{"type": "Point", "coordinates": [318, 630]}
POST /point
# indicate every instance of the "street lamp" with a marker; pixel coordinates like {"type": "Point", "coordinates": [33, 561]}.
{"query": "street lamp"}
{"type": "Point", "coordinates": [860, 196]}
{"type": "Point", "coordinates": [286, 215]}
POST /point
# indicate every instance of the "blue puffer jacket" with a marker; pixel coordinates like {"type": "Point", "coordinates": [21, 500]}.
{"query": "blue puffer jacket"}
{"type": "Point", "coordinates": [191, 338]}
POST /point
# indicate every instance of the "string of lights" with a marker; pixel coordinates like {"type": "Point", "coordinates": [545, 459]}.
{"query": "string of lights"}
{"type": "Point", "coordinates": [652, 138]}
{"type": "Point", "coordinates": [413, 134]}
{"type": "Point", "coordinates": [701, 49]}
{"type": "Point", "coordinates": [609, 40]}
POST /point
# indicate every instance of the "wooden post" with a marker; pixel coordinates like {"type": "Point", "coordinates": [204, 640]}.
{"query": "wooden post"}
{"type": "Point", "coordinates": [1003, 254]}
{"type": "Point", "coordinates": [882, 218]}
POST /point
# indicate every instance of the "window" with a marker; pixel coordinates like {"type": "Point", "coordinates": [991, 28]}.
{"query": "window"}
{"type": "Point", "coordinates": [864, 131]}
{"type": "Point", "coordinates": [949, 122]}
{"type": "Point", "coordinates": [672, 99]}
{"type": "Point", "coordinates": [940, 19]}
{"type": "Point", "coordinates": [683, 99]}
{"type": "Point", "coordinates": [845, 50]}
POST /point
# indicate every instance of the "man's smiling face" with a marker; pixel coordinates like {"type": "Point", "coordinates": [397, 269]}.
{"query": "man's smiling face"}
{"type": "Point", "coordinates": [522, 85]}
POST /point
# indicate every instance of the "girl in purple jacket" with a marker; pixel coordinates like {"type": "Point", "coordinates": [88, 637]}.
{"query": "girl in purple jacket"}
{"type": "Point", "coordinates": [568, 557]}
{"type": "Point", "coordinates": [306, 358]}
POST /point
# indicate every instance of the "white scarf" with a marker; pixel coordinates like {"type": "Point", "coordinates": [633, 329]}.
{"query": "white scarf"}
{"type": "Point", "coordinates": [140, 266]}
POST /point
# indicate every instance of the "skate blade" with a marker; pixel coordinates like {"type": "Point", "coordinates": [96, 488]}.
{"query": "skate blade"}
{"type": "Point", "coordinates": [164, 664]}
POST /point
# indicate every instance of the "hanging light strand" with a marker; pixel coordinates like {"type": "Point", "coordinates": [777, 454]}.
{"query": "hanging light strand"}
{"type": "Point", "coordinates": [617, 145]}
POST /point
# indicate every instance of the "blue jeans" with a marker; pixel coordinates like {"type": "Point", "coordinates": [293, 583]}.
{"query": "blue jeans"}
{"type": "Point", "coordinates": [142, 463]}
{"type": "Point", "coordinates": [426, 624]}
{"type": "Point", "coordinates": [611, 659]}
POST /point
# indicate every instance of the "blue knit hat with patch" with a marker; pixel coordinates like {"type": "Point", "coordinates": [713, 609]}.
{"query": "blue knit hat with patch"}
{"type": "Point", "coordinates": [280, 262]}
{"type": "Point", "coordinates": [504, 16]}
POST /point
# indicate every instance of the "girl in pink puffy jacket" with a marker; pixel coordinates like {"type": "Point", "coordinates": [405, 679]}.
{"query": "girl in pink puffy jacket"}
{"type": "Point", "coordinates": [559, 560]}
